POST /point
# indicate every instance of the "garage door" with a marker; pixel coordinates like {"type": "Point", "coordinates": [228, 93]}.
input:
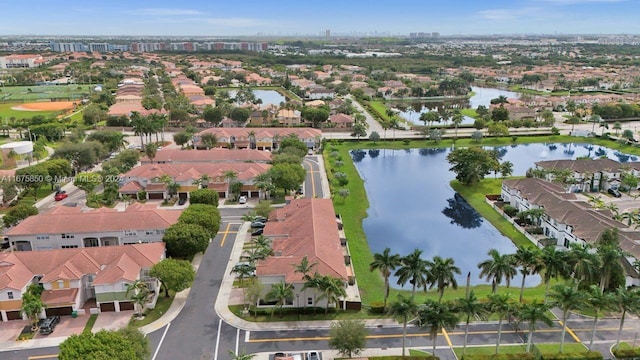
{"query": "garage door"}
{"type": "Point", "coordinates": [61, 311]}
{"type": "Point", "coordinates": [106, 307]}
{"type": "Point", "coordinates": [156, 196]}
{"type": "Point", "coordinates": [126, 306]}
{"type": "Point", "coordinates": [14, 315]}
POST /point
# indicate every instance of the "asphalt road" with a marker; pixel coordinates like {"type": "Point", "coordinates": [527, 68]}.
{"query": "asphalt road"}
{"type": "Point", "coordinates": [313, 180]}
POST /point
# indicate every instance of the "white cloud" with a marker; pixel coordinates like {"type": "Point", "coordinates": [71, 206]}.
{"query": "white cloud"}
{"type": "Point", "coordinates": [167, 12]}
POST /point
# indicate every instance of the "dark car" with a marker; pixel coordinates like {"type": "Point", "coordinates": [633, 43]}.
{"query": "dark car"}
{"type": "Point", "coordinates": [257, 225]}
{"type": "Point", "coordinates": [614, 192]}
{"type": "Point", "coordinates": [49, 324]}
{"type": "Point", "coordinates": [257, 232]}
{"type": "Point", "coordinates": [182, 201]}
{"type": "Point", "coordinates": [260, 218]}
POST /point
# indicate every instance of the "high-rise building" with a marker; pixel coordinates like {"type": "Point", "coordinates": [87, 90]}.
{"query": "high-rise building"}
{"type": "Point", "coordinates": [327, 33]}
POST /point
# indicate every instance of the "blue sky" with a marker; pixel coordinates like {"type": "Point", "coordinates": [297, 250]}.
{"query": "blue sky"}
{"type": "Point", "coordinates": [283, 17]}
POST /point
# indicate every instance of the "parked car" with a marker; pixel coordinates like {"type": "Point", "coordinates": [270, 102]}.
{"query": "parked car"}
{"type": "Point", "coordinates": [257, 224]}
{"type": "Point", "coordinates": [49, 324]}
{"type": "Point", "coordinates": [257, 232]}
{"type": "Point", "coordinates": [614, 192]}
{"type": "Point", "coordinates": [242, 200]}
{"type": "Point", "coordinates": [182, 201]}
{"type": "Point", "coordinates": [251, 268]}
{"type": "Point", "coordinates": [61, 195]}
{"type": "Point", "coordinates": [260, 218]}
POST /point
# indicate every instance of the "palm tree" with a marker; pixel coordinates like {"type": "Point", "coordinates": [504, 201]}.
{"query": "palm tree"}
{"type": "Point", "coordinates": [313, 283]}
{"type": "Point", "coordinates": [501, 305]}
{"type": "Point", "coordinates": [528, 258]}
{"type": "Point", "coordinates": [469, 307]}
{"type": "Point", "coordinates": [385, 263]}
{"type": "Point", "coordinates": [139, 126]}
{"type": "Point", "coordinates": [610, 253]}
{"type": "Point", "coordinates": [405, 309]}
{"type": "Point", "coordinates": [442, 274]}
{"type": "Point", "coordinates": [280, 293]}
{"type": "Point", "coordinates": [597, 301]}
{"type": "Point", "coordinates": [263, 182]}
{"type": "Point", "coordinates": [203, 181]}
{"type": "Point", "coordinates": [243, 271]}
{"type": "Point", "coordinates": [413, 269]}
{"type": "Point", "coordinates": [208, 140]}
{"type": "Point", "coordinates": [567, 297]}
{"type": "Point", "coordinates": [151, 150]}
{"type": "Point", "coordinates": [555, 265]}
{"type": "Point", "coordinates": [626, 300]}
{"type": "Point", "coordinates": [497, 268]}
{"type": "Point", "coordinates": [304, 268]}
{"type": "Point", "coordinates": [332, 290]}
{"type": "Point", "coordinates": [584, 264]}
{"type": "Point", "coordinates": [231, 176]}
{"type": "Point", "coordinates": [241, 356]}
{"type": "Point", "coordinates": [141, 294]}
{"type": "Point", "coordinates": [532, 313]}
{"type": "Point", "coordinates": [457, 120]}
{"type": "Point", "coordinates": [436, 316]}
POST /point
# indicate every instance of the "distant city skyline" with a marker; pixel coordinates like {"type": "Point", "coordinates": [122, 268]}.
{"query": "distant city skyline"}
{"type": "Point", "coordinates": [290, 18]}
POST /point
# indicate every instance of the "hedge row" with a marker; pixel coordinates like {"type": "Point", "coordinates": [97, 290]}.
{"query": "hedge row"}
{"type": "Point", "coordinates": [514, 356]}
{"type": "Point", "coordinates": [589, 355]}
{"type": "Point", "coordinates": [627, 353]}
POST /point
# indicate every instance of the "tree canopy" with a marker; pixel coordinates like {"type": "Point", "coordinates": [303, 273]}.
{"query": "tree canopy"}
{"type": "Point", "coordinates": [125, 344]}
{"type": "Point", "coordinates": [175, 275]}
{"type": "Point", "coordinates": [471, 164]}
{"type": "Point", "coordinates": [185, 240]}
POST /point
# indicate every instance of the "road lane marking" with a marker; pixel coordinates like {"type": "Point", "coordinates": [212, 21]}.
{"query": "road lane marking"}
{"type": "Point", "coordinates": [446, 336]}
{"type": "Point", "coordinates": [52, 356]}
{"type": "Point", "coordinates": [247, 336]}
{"type": "Point", "coordinates": [224, 237]}
{"type": "Point", "coordinates": [215, 356]}
{"type": "Point", "coordinates": [573, 335]}
{"type": "Point", "coordinates": [160, 343]}
{"type": "Point", "coordinates": [237, 339]}
{"type": "Point", "coordinates": [313, 180]}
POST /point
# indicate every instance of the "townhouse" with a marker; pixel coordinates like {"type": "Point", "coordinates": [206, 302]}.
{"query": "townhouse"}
{"type": "Point", "coordinates": [215, 155]}
{"type": "Point", "coordinates": [341, 121]}
{"type": "Point", "coordinates": [147, 179]}
{"type": "Point", "coordinates": [70, 228]}
{"type": "Point", "coordinates": [307, 227]}
{"type": "Point", "coordinates": [586, 175]}
{"type": "Point", "coordinates": [259, 138]}
{"type": "Point", "coordinates": [77, 280]}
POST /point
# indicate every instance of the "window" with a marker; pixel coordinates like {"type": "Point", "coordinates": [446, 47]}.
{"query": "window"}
{"type": "Point", "coordinates": [10, 295]}
{"type": "Point", "coordinates": [149, 232]}
{"type": "Point", "coordinates": [42, 237]}
{"type": "Point", "coordinates": [125, 286]}
{"type": "Point", "coordinates": [69, 246]}
{"type": "Point", "coordinates": [60, 284]}
{"type": "Point", "coordinates": [159, 232]}
{"type": "Point", "coordinates": [67, 236]}
{"type": "Point", "coordinates": [130, 233]}
{"type": "Point", "coordinates": [309, 301]}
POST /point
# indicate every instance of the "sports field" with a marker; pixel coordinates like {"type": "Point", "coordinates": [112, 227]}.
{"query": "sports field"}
{"type": "Point", "coordinates": [43, 92]}
{"type": "Point", "coordinates": [9, 110]}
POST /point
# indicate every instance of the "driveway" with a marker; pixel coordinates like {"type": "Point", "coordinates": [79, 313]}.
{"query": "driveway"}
{"type": "Point", "coordinates": [112, 320]}
{"type": "Point", "coordinates": [66, 327]}
{"type": "Point", "coordinates": [10, 330]}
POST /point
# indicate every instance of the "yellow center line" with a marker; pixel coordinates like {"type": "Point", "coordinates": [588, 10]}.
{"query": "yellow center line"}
{"type": "Point", "coordinates": [573, 335]}
{"type": "Point", "coordinates": [53, 356]}
{"type": "Point", "coordinates": [313, 181]}
{"type": "Point", "coordinates": [446, 336]}
{"type": "Point", "coordinates": [224, 237]}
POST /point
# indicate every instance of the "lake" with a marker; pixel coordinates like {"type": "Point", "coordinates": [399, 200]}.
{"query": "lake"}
{"type": "Point", "coordinates": [481, 96]}
{"type": "Point", "coordinates": [413, 206]}
{"type": "Point", "coordinates": [268, 97]}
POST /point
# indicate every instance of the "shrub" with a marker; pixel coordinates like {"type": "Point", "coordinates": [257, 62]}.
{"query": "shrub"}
{"type": "Point", "coordinates": [142, 195]}
{"type": "Point", "coordinates": [626, 353]}
{"type": "Point", "coordinates": [510, 210]}
{"type": "Point", "coordinates": [406, 141]}
{"type": "Point", "coordinates": [377, 307]}
{"type": "Point", "coordinates": [589, 355]}
{"type": "Point", "coordinates": [555, 131]}
{"type": "Point", "coordinates": [514, 356]}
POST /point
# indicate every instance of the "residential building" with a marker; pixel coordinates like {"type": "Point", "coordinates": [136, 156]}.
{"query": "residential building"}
{"type": "Point", "coordinates": [321, 93]}
{"type": "Point", "coordinates": [587, 175]}
{"type": "Point", "coordinates": [341, 121]}
{"type": "Point", "coordinates": [216, 155]}
{"type": "Point", "coordinates": [147, 178]}
{"type": "Point", "coordinates": [307, 227]}
{"type": "Point", "coordinates": [264, 138]}
{"type": "Point", "coordinates": [21, 61]}
{"type": "Point", "coordinates": [288, 117]}
{"type": "Point", "coordinates": [69, 228]}
{"type": "Point", "coordinates": [78, 279]}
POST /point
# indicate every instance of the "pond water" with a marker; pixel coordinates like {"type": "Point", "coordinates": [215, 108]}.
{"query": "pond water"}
{"type": "Point", "coordinates": [482, 96]}
{"type": "Point", "coordinates": [413, 206]}
{"type": "Point", "coordinates": [268, 97]}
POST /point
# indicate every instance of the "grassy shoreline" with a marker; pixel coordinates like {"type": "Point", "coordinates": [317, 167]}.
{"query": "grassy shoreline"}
{"type": "Point", "coordinates": [354, 210]}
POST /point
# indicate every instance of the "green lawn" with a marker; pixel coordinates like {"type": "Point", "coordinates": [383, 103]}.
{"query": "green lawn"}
{"type": "Point", "coordinates": [90, 323]}
{"type": "Point", "coordinates": [380, 109]}
{"type": "Point", "coordinates": [292, 314]}
{"type": "Point", "coordinates": [555, 348]}
{"type": "Point", "coordinates": [6, 112]}
{"type": "Point", "coordinates": [490, 350]}
{"type": "Point", "coordinates": [43, 92]}
{"type": "Point", "coordinates": [469, 112]}
{"type": "Point", "coordinates": [154, 314]}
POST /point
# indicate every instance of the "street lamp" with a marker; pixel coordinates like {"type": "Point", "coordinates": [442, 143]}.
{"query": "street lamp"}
{"type": "Point", "coordinates": [298, 303]}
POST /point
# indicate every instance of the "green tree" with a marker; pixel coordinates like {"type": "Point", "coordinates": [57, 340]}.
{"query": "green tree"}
{"type": "Point", "coordinates": [374, 136]}
{"type": "Point", "coordinates": [470, 307]}
{"type": "Point", "coordinates": [206, 216]}
{"type": "Point", "coordinates": [530, 263]}
{"type": "Point", "coordinates": [500, 114]}
{"type": "Point", "coordinates": [32, 305]}
{"type": "Point", "coordinates": [110, 139]}
{"type": "Point", "coordinates": [471, 164]}
{"type": "Point", "coordinates": [533, 313]}
{"type": "Point", "coordinates": [87, 181]}
{"type": "Point", "coordinates": [181, 138]}
{"type": "Point", "coordinates": [436, 317]}
{"type": "Point", "coordinates": [316, 116]}
{"type": "Point", "coordinates": [608, 248]}
{"type": "Point", "coordinates": [584, 264]}
{"type": "Point", "coordinates": [566, 297]}
{"type": "Point", "coordinates": [9, 190]}
{"type": "Point", "coordinates": [186, 240]}
{"type": "Point", "coordinates": [175, 275]}
{"type": "Point", "coordinates": [212, 115]}
{"type": "Point", "coordinates": [597, 301]}
{"type": "Point", "coordinates": [241, 356]}
{"type": "Point", "coordinates": [344, 193]}
{"type": "Point", "coordinates": [141, 294]}
{"type": "Point", "coordinates": [555, 265]}
{"type": "Point", "coordinates": [348, 337]}
{"type": "Point", "coordinates": [305, 267]}
{"type": "Point", "coordinates": [403, 309]}
{"type": "Point", "coordinates": [281, 293]}
{"type": "Point", "coordinates": [442, 274]}
{"type": "Point", "coordinates": [112, 345]}
{"type": "Point", "coordinates": [413, 269]}
{"type": "Point", "coordinates": [252, 292]}
{"type": "Point", "coordinates": [209, 140]}
{"type": "Point", "coordinates": [151, 150]}
{"type": "Point", "coordinates": [287, 176]}
{"type": "Point", "coordinates": [626, 300]}
{"type": "Point", "coordinates": [496, 268]}
{"type": "Point", "coordinates": [501, 305]}
{"type": "Point", "coordinates": [204, 196]}
{"type": "Point", "coordinates": [263, 208]}
{"type": "Point", "coordinates": [332, 290]}
{"type": "Point", "coordinates": [18, 213]}
{"type": "Point", "coordinates": [385, 263]}
{"type": "Point", "coordinates": [240, 115]}
{"type": "Point", "coordinates": [32, 178]}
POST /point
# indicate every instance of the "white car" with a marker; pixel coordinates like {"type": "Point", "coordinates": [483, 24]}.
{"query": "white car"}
{"type": "Point", "coordinates": [242, 200]}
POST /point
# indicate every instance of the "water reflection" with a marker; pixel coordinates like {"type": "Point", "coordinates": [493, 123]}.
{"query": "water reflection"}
{"type": "Point", "coordinates": [413, 206]}
{"type": "Point", "coordinates": [461, 213]}
{"type": "Point", "coordinates": [374, 153]}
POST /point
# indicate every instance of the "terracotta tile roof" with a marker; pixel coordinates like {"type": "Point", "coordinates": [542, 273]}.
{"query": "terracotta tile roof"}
{"type": "Point", "coordinates": [53, 298]}
{"type": "Point", "coordinates": [95, 222]}
{"type": "Point", "coordinates": [305, 227]}
{"type": "Point", "coordinates": [341, 119]}
{"type": "Point", "coordinates": [194, 171]}
{"type": "Point", "coordinates": [132, 186]}
{"type": "Point", "coordinates": [261, 133]}
{"type": "Point", "coordinates": [212, 155]}
{"type": "Point", "coordinates": [117, 262]}
{"type": "Point", "coordinates": [582, 165]}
